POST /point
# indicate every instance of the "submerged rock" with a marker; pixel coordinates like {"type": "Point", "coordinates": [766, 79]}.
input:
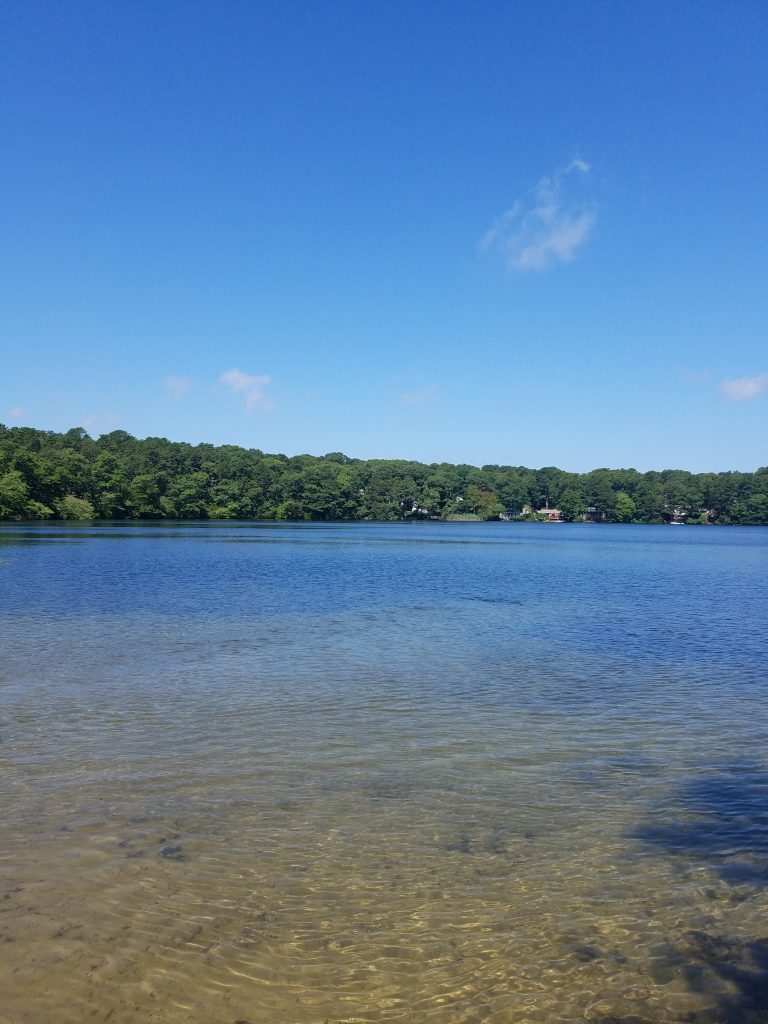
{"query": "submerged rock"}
{"type": "Point", "coordinates": [585, 953]}
{"type": "Point", "coordinates": [175, 852]}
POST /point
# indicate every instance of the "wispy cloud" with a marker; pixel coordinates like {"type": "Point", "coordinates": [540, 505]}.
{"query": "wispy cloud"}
{"type": "Point", "coordinates": [548, 229]}
{"type": "Point", "coordinates": [16, 413]}
{"type": "Point", "coordinates": [251, 387]}
{"type": "Point", "coordinates": [177, 387]}
{"type": "Point", "coordinates": [744, 389]}
{"type": "Point", "coordinates": [419, 396]}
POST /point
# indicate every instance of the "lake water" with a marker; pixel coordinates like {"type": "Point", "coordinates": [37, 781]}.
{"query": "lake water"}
{"type": "Point", "coordinates": [445, 773]}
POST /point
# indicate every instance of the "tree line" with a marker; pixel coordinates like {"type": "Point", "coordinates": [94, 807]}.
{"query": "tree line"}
{"type": "Point", "coordinates": [48, 475]}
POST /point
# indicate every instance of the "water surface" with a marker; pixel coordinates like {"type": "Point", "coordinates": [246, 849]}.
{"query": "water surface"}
{"type": "Point", "coordinates": [402, 772]}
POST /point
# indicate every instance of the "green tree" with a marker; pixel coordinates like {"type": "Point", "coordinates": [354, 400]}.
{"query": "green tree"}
{"type": "Point", "coordinates": [14, 495]}
{"type": "Point", "coordinates": [571, 505]}
{"type": "Point", "coordinates": [482, 503]}
{"type": "Point", "coordinates": [625, 509]}
{"type": "Point", "coordinates": [70, 507]}
{"type": "Point", "coordinates": [188, 496]}
{"type": "Point", "coordinates": [144, 493]}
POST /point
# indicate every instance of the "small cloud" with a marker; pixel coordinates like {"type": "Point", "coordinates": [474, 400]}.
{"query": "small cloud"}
{"type": "Point", "coordinates": [744, 389]}
{"type": "Point", "coordinates": [419, 396]}
{"type": "Point", "coordinates": [177, 387]}
{"type": "Point", "coordinates": [16, 413]}
{"type": "Point", "coordinates": [251, 387]}
{"type": "Point", "coordinates": [550, 228]}
{"type": "Point", "coordinates": [578, 165]}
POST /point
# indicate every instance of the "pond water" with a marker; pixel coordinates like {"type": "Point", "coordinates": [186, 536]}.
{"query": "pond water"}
{"type": "Point", "coordinates": [449, 773]}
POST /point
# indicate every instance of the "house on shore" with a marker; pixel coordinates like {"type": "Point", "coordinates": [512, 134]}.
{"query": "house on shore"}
{"type": "Point", "coordinates": [676, 516]}
{"type": "Point", "coordinates": [592, 515]}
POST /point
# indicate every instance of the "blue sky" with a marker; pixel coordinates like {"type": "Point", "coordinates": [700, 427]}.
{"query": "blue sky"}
{"type": "Point", "coordinates": [520, 233]}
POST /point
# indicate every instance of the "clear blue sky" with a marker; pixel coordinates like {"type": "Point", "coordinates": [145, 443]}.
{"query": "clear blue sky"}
{"type": "Point", "coordinates": [530, 233]}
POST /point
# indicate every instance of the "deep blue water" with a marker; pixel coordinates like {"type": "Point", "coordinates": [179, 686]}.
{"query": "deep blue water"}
{"type": "Point", "coordinates": [691, 603]}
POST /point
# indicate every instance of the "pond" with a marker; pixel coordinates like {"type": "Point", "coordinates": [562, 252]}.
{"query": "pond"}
{"type": "Point", "coordinates": [413, 772]}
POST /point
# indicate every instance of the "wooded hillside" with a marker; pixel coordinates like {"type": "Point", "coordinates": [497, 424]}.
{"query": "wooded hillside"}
{"type": "Point", "coordinates": [116, 476]}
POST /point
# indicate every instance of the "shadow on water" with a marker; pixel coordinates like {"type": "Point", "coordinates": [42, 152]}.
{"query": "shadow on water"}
{"type": "Point", "coordinates": [719, 821]}
{"type": "Point", "coordinates": [712, 962]}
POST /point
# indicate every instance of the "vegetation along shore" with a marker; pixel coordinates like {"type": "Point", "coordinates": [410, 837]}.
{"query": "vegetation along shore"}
{"type": "Point", "coordinates": [47, 475]}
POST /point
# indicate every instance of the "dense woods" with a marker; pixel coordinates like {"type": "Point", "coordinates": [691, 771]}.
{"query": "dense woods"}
{"type": "Point", "coordinates": [46, 475]}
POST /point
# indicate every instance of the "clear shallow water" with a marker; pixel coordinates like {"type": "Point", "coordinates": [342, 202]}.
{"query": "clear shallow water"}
{"type": "Point", "coordinates": [444, 773]}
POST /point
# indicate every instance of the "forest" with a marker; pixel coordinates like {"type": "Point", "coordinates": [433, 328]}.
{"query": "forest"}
{"type": "Point", "coordinates": [48, 475]}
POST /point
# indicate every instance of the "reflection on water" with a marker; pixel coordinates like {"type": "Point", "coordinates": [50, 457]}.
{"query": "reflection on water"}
{"type": "Point", "coordinates": [374, 773]}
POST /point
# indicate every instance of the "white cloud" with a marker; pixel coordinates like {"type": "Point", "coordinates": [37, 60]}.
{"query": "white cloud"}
{"type": "Point", "coordinates": [419, 396]}
{"type": "Point", "coordinates": [550, 228]}
{"type": "Point", "coordinates": [251, 387]}
{"type": "Point", "coordinates": [177, 387]}
{"type": "Point", "coordinates": [16, 413]}
{"type": "Point", "coordinates": [744, 389]}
